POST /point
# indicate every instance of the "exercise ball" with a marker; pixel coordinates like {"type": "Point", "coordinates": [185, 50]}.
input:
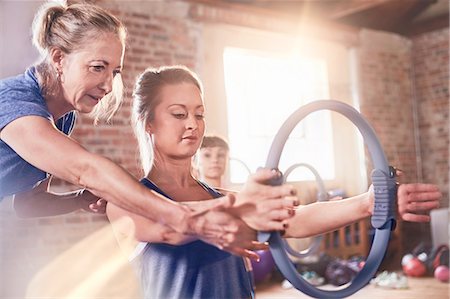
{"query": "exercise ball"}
{"type": "Point", "coordinates": [264, 267]}
{"type": "Point", "coordinates": [339, 273]}
{"type": "Point", "coordinates": [414, 268]}
{"type": "Point", "coordinates": [441, 273]}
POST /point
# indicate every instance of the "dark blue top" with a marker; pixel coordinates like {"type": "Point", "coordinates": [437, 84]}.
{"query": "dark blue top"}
{"type": "Point", "coordinates": [21, 96]}
{"type": "Point", "coordinates": [193, 270]}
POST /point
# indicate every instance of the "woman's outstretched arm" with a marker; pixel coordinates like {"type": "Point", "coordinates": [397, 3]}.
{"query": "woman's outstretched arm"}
{"type": "Point", "coordinates": [130, 228]}
{"type": "Point", "coordinates": [37, 141]}
{"type": "Point", "coordinates": [414, 201]}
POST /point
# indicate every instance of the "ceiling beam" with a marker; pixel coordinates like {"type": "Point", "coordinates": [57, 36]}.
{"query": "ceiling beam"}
{"type": "Point", "coordinates": [436, 23]}
{"type": "Point", "coordinates": [392, 15]}
{"type": "Point", "coordinates": [406, 18]}
{"type": "Point", "coordinates": [354, 7]}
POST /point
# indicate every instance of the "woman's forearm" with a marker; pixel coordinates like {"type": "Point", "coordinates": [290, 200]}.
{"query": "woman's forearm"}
{"type": "Point", "coordinates": [57, 154]}
{"type": "Point", "coordinates": [40, 202]}
{"type": "Point", "coordinates": [127, 225]}
{"type": "Point", "coordinates": [111, 182]}
{"type": "Point", "coordinates": [322, 217]}
{"type": "Point", "coordinates": [43, 204]}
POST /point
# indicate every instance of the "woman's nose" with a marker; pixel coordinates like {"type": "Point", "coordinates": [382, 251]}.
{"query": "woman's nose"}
{"type": "Point", "coordinates": [107, 83]}
{"type": "Point", "coordinates": [191, 122]}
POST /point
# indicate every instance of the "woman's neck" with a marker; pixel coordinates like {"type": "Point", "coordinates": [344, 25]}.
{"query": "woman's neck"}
{"type": "Point", "coordinates": [56, 105]}
{"type": "Point", "coordinates": [174, 172]}
{"type": "Point", "coordinates": [52, 94]}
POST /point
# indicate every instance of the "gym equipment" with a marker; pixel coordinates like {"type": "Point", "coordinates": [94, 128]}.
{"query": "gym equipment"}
{"type": "Point", "coordinates": [385, 191]}
{"type": "Point", "coordinates": [438, 256]}
{"type": "Point", "coordinates": [441, 273]}
{"type": "Point", "coordinates": [339, 273]}
{"type": "Point", "coordinates": [390, 280]}
{"type": "Point", "coordinates": [322, 195]}
{"type": "Point", "coordinates": [262, 269]}
{"type": "Point", "coordinates": [415, 268]}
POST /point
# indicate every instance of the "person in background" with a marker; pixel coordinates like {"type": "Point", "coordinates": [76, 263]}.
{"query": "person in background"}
{"type": "Point", "coordinates": [82, 48]}
{"type": "Point", "coordinates": [212, 160]}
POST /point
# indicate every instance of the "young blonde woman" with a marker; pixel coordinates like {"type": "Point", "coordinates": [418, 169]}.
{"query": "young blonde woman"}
{"type": "Point", "coordinates": [168, 115]}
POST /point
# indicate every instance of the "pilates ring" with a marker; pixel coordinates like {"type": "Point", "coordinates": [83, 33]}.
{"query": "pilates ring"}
{"type": "Point", "coordinates": [322, 195]}
{"type": "Point", "coordinates": [383, 217]}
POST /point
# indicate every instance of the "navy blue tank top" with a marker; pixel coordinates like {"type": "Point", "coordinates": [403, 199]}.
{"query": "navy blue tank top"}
{"type": "Point", "coordinates": [193, 270]}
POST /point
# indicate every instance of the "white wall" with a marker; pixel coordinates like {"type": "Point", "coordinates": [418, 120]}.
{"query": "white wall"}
{"type": "Point", "coordinates": [16, 49]}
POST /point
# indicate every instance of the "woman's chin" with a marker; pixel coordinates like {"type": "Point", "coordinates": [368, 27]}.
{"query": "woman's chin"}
{"type": "Point", "coordinates": [85, 109]}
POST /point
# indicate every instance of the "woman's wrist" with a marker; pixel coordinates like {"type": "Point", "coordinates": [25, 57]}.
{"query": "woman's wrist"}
{"type": "Point", "coordinates": [367, 204]}
{"type": "Point", "coordinates": [242, 207]}
{"type": "Point", "coordinates": [180, 220]}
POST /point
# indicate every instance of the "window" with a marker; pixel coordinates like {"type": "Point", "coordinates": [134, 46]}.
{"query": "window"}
{"type": "Point", "coordinates": [262, 90]}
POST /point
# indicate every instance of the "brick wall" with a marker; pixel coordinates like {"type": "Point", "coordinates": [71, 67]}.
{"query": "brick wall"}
{"type": "Point", "coordinates": [404, 95]}
{"type": "Point", "coordinates": [431, 69]}
{"type": "Point", "coordinates": [386, 95]}
{"type": "Point", "coordinates": [386, 100]}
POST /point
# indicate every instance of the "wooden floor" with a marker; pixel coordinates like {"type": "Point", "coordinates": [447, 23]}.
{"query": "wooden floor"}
{"type": "Point", "coordinates": [419, 288]}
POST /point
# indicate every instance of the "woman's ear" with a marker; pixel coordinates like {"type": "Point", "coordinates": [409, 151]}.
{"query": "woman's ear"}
{"type": "Point", "coordinates": [148, 128]}
{"type": "Point", "coordinates": [56, 58]}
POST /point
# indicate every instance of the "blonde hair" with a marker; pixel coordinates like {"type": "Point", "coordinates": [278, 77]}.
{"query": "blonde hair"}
{"type": "Point", "coordinates": [145, 99]}
{"type": "Point", "coordinates": [70, 28]}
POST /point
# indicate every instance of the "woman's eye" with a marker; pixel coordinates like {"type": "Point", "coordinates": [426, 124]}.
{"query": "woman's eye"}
{"type": "Point", "coordinates": [179, 115]}
{"type": "Point", "coordinates": [97, 68]}
{"type": "Point", "coordinates": [200, 116]}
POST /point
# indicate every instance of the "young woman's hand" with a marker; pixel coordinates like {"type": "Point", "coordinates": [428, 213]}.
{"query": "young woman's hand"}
{"type": "Point", "coordinates": [243, 241]}
{"type": "Point", "coordinates": [414, 201]}
{"type": "Point", "coordinates": [204, 219]}
{"type": "Point", "coordinates": [238, 238]}
{"type": "Point", "coordinates": [264, 207]}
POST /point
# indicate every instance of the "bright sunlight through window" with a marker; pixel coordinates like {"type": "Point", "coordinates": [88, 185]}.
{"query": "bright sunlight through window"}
{"type": "Point", "coordinates": [262, 91]}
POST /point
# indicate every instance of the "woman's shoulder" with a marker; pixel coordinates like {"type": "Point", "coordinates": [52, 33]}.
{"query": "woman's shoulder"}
{"type": "Point", "coordinates": [21, 88]}
{"type": "Point", "coordinates": [149, 184]}
{"type": "Point", "coordinates": [20, 96]}
{"type": "Point", "coordinates": [215, 192]}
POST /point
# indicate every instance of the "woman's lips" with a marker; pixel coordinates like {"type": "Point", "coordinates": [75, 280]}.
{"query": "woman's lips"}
{"type": "Point", "coordinates": [190, 137]}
